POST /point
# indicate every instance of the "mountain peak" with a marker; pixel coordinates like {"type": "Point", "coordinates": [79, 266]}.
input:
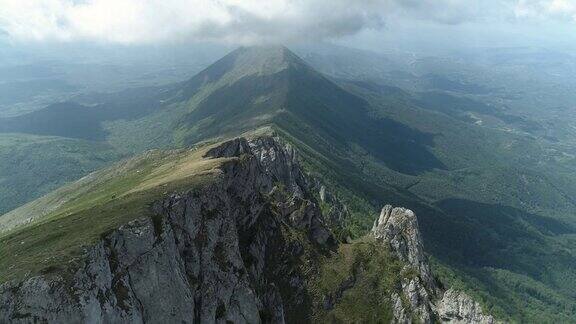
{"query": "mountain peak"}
{"type": "Point", "coordinates": [247, 61]}
{"type": "Point", "coordinates": [261, 60]}
{"type": "Point", "coordinates": [267, 56]}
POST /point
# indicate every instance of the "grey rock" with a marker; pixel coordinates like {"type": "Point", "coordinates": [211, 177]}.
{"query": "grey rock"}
{"type": "Point", "coordinates": [420, 297]}
{"type": "Point", "coordinates": [399, 310]}
{"type": "Point", "coordinates": [324, 196]}
{"type": "Point", "coordinates": [337, 212]}
{"type": "Point", "coordinates": [458, 308]}
{"type": "Point", "coordinates": [219, 254]}
{"type": "Point", "coordinates": [210, 255]}
{"type": "Point", "coordinates": [398, 229]}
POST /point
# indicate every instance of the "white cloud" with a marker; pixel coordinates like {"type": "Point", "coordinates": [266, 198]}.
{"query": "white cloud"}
{"type": "Point", "coordinates": [135, 21]}
{"type": "Point", "coordinates": [546, 9]}
{"type": "Point", "coordinates": [244, 21]}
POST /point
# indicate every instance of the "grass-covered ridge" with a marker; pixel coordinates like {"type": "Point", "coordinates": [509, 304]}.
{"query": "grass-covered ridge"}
{"type": "Point", "coordinates": [52, 231]}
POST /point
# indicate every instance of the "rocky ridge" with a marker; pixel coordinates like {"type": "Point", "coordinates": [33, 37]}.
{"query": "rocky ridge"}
{"type": "Point", "coordinates": [209, 255]}
{"type": "Point", "coordinates": [230, 251]}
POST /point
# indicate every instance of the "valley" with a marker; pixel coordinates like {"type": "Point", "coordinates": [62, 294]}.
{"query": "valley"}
{"type": "Point", "coordinates": [494, 199]}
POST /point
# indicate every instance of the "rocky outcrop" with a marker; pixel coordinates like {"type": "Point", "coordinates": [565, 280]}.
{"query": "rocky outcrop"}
{"type": "Point", "coordinates": [337, 211]}
{"type": "Point", "coordinates": [237, 250]}
{"type": "Point", "coordinates": [458, 308]}
{"type": "Point", "coordinates": [398, 228]}
{"type": "Point", "coordinates": [218, 253]}
{"type": "Point", "coordinates": [420, 297]}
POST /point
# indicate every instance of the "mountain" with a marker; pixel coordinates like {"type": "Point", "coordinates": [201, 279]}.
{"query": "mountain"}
{"type": "Point", "coordinates": [494, 223]}
{"type": "Point", "coordinates": [250, 87]}
{"type": "Point", "coordinates": [241, 238]}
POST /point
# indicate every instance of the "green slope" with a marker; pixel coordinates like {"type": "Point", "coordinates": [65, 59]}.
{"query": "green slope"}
{"type": "Point", "coordinates": [50, 235]}
{"type": "Point", "coordinates": [496, 212]}
{"type": "Point", "coordinates": [31, 166]}
{"type": "Point", "coordinates": [52, 231]}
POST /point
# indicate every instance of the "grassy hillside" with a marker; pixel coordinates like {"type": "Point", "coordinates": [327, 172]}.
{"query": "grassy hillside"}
{"type": "Point", "coordinates": [31, 166]}
{"type": "Point", "coordinates": [48, 233]}
{"type": "Point", "coordinates": [376, 276]}
{"type": "Point", "coordinates": [483, 245]}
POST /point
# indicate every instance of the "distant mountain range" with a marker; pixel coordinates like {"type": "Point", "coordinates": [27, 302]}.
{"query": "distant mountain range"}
{"type": "Point", "coordinates": [495, 220]}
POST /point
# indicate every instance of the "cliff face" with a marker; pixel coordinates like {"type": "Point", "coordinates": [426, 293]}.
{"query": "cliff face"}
{"type": "Point", "coordinates": [420, 296]}
{"type": "Point", "coordinates": [234, 250]}
{"type": "Point", "coordinates": [211, 255]}
{"type": "Point", "coordinates": [398, 228]}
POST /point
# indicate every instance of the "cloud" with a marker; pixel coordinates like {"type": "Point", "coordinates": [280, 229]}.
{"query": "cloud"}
{"type": "Point", "coordinates": [243, 21]}
{"type": "Point", "coordinates": [461, 11]}
{"type": "Point", "coordinates": [450, 11]}
{"type": "Point", "coordinates": [546, 9]}
{"type": "Point", "coordinates": [141, 21]}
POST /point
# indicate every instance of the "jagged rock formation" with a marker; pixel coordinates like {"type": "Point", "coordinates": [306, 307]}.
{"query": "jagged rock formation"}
{"type": "Point", "coordinates": [398, 227]}
{"type": "Point", "coordinates": [215, 254]}
{"type": "Point", "coordinates": [241, 248]}
{"type": "Point", "coordinates": [337, 211]}
{"type": "Point", "coordinates": [420, 296]}
{"type": "Point", "coordinates": [458, 308]}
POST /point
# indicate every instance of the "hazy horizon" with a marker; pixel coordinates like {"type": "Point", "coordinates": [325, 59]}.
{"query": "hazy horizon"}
{"type": "Point", "coordinates": [377, 25]}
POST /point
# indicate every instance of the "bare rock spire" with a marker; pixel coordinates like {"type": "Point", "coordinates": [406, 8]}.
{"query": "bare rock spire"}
{"type": "Point", "coordinates": [422, 298]}
{"type": "Point", "coordinates": [399, 228]}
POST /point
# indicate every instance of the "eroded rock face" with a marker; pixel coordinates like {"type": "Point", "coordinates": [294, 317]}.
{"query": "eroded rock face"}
{"type": "Point", "coordinates": [458, 308]}
{"type": "Point", "coordinates": [398, 228]}
{"type": "Point", "coordinates": [420, 297]}
{"type": "Point", "coordinates": [215, 254]}
{"type": "Point", "coordinates": [221, 254]}
{"type": "Point", "coordinates": [337, 211]}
